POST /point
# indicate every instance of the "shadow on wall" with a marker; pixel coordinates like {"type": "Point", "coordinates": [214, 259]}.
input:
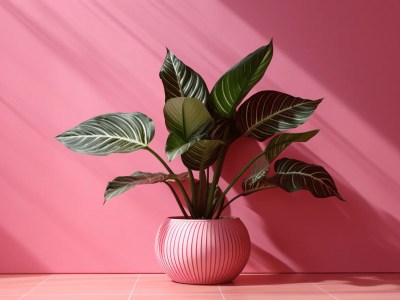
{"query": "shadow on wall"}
{"type": "Point", "coordinates": [352, 51]}
{"type": "Point", "coordinates": [16, 258]}
{"type": "Point", "coordinates": [317, 235]}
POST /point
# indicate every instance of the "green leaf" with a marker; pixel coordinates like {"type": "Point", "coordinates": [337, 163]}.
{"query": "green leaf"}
{"type": "Point", "coordinates": [186, 117]}
{"type": "Point", "coordinates": [280, 142]}
{"type": "Point", "coordinates": [181, 81]}
{"type": "Point", "coordinates": [110, 133]}
{"type": "Point", "coordinates": [121, 184]}
{"type": "Point", "coordinates": [176, 146]}
{"type": "Point", "coordinates": [202, 154]}
{"type": "Point", "coordinates": [268, 112]}
{"type": "Point", "coordinates": [293, 175]}
{"type": "Point", "coordinates": [234, 85]}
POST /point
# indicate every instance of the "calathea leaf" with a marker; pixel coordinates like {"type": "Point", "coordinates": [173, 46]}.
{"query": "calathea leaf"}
{"type": "Point", "coordinates": [187, 120]}
{"type": "Point", "coordinates": [202, 154]}
{"type": "Point", "coordinates": [176, 145]}
{"type": "Point", "coordinates": [280, 142]}
{"type": "Point", "coordinates": [269, 112]}
{"type": "Point", "coordinates": [293, 175]}
{"type": "Point", "coordinates": [110, 133]}
{"type": "Point", "coordinates": [121, 184]}
{"type": "Point", "coordinates": [234, 85]}
{"type": "Point", "coordinates": [181, 81]}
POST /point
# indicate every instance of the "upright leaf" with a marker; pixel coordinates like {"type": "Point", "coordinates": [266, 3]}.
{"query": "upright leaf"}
{"type": "Point", "coordinates": [202, 154]}
{"type": "Point", "coordinates": [269, 112]}
{"type": "Point", "coordinates": [121, 184]}
{"type": "Point", "coordinates": [293, 175]}
{"type": "Point", "coordinates": [187, 120]}
{"type": "Point", "coordinates": [280, 142]}
{"type": "Point", "coordinates": [234, 85]}
{"type": "Point", "coordinates": [180, 80]}
{"type": "Point", "coordinates": [110, 133]}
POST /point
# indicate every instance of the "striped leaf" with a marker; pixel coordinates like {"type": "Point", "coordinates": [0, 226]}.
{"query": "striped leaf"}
{"type": "Point", "coordinates": [121, 184]}
{"type": "Point", "coordinates": [176, 146]}
{"type": "Point", "coordinates": [110, 133]}
{"type": "Point", "coordinates": [269, 112]}
{"type": "Point", "coordinates": [234, 85]}
{"type": "Point", "coordinates": [187, 120]}
{"type": "Point", "coordinates": [181, 81]}
{"type": "Point", "coordinates": [280, 142]}
{"type": "Point", "coordinates": [293, 175]}
{"type": "Point", "coordinates": [202, 155]}
{"type": "Point", "coordinates": [250, 186]}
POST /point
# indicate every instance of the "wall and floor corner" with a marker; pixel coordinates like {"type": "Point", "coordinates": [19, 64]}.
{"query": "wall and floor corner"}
{"type": "Point", "coordinates": [63, 62]}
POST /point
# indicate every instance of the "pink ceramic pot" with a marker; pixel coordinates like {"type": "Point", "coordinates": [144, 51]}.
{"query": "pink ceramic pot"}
{"type": "Point", "coordinates": [202, 251]}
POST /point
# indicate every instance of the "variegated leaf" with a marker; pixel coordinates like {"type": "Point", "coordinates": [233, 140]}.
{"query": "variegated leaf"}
{"type": "Point", "coordinates": [176, 146]}
{"type": "Point", "coordinates": [293, 175]}
{"type": "Point", "coordinates": [202, 154]}
{"type": "Point", "coordinates": [280, 142]}
{"type": "Point", "coordinates": [269, 112]}
{"type": "Point", "coordinates": [121, 184]}
{"type": "Point", "coordinates": [110, 133]}
{"type": "Point", "coordinates": [180, 80]}
{"type": "Point", "coordinates": [234, 85]}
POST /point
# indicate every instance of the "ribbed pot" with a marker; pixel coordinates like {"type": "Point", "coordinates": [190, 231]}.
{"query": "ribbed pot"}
{"type": "Point", "coordinates": [202, 251]}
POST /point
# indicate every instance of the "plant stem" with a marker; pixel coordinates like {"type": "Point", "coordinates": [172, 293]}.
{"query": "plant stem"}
{"type": "Point", "coordinates": [185, 195]}
{"type": "Point", "coordinates": [177, 200]}
{"type": "Point", "coordinates": [194, 195]}
{"type": "Point", "coordinates": [222, 197]}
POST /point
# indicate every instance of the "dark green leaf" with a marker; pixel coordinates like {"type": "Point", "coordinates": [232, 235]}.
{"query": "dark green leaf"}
{"type": "Point", "coordinates": [110, 133]}
{"type": "Point", "coordinates": [123, 183]}
{"type": "Point", "coordinates": [257, 179]}
{"type": "Point", "coordinates": [176, 146]}
{"type": "Point", "coordinates": [202, 154]}
{"type": "Point", "coordinates": [269, 112]}
{"type": "Point", "coordinates": [181, 81]}
{"type": "Point", "coordinates": [234, 85]}
{"type": "Point", "coordinates": [279, 142]}
{"type": "Point", "coordinates": [293, 175]}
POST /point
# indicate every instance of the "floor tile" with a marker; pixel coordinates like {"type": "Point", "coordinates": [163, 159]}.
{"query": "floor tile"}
{"type": "Point", "coordinates": [18, 284]}
{"type": "Point", "coordinates": [160, 284]}
{"type": "Point", "coordinates": [177, 297]}
{"type": "Point", "coordinates": [315, 296]}
{"type": "Point", "coordinates": [269, 284]}
{"type": "Point", "coordinates": [75, 297]}
{"type": "Point", "coordinates": [369, 296]}
{"type": "Point", "coordinates": [86, 284]}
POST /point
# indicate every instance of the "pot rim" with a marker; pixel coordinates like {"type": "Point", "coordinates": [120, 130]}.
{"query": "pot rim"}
{"type": "Point", "coordinates": [225, 218]}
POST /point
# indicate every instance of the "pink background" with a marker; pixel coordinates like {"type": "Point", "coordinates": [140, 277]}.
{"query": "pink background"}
{"type": "Point", "coordinates": [63, 62]}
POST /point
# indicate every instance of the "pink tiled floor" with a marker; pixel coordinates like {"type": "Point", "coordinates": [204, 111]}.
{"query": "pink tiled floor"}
{"type": "Point", "coordinates": [158, 286]}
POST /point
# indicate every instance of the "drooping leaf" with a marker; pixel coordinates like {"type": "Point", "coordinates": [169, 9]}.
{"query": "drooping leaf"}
{"type": "Point", "coordinates": [186, 117]}
{"type": "Point", "coordinates": [180, 80]}
{"type": "Point", "coordinates": [234, 85]}
{"type": "Point", "coordinates": [202, 154]}
{"type": "Point", "coordinates": [121, 184]}
{"type": "Point", "coordinates": [110, 133]}
{"type": "Point", "coordinates": [293, 175]}
{"type": "Point", "coordinates": [176, 146]}
{"type": "Point", "coordinates": [269, 112]}
{"type": "Point", "coordinates": [280, 142]}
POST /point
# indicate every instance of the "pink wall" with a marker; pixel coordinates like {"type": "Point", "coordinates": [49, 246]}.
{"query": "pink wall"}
{"type": "Point", "coordinates": [63, 62]}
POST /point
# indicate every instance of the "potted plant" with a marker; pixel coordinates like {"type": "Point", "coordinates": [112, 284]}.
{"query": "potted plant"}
{"type": "Point", "coordinates": [201, 246]}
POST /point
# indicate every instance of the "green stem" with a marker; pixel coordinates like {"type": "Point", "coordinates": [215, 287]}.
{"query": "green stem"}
{"type": "Point", "coordinates": [222, 197]}
{"type": "Point", "coordinates": [217, 174]}
{"type": "Point", "coordinates": [177, 200]}
{"type": "Point", "coordinates": [194, 195]}
{"type": "Point", "coordinates": [185, 195]}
